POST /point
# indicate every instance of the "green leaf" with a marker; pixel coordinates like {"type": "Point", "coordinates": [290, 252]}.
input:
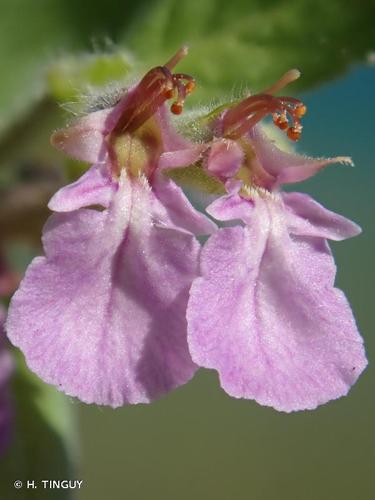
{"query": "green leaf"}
{"type": "Point", "coordinates": [72, 77]}
{"type": "Point", "coordinates": [33, 34]}
{"type": "Point", "coordinates": [253, 42]}
{"type": "Point", "coordinates": [44, 444]}
{"type": "Point", "coordinates": [30, 33]}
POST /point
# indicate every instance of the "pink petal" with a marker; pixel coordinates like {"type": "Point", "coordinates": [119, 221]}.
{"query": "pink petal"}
{"type": "Point", "coordinates": [225, 158]}
{"type": "Point", "coordinates": [102, 316]}
{"type": "Point", "coordinates": [95, 187]}
{"type": "Point", "coordinates": [265, 314]}
{"type": "Point", "coordinates": [231, 207]}
{"type": "Point", "coordinates": [175, 209]}
{"type": "Point", "coordinates": [287, 167]}
{"type": "Point", "coordinates": [180, 158]}
{"type": "Point", "coordinates": [307, 217]}
{"type": "Point", "coordinates": [172, 140]}
{"type": "Point", "coordinates": [233, 186]}
{"type": "Point", "coordinates": [85, 139]}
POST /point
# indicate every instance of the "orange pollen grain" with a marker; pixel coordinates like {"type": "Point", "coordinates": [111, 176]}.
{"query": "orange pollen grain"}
{"type": "Point", "coordinates": [189, 87]}
{"type": "Point", "coordinates": [280, 121]}
{"type": "Point", "coordinates": [300, 110]}
{"type": "Point", "coordinates": [177, 108]}
{"type": "Point", "coordinates": [293, 133]}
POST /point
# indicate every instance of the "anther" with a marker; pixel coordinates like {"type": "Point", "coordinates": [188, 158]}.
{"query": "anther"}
{"type": "Point", "coordinates": [177, 108]}
{"type": "Point", "coordinates": [190, 86]}
{"type": "Point", "coordinates": [300, 110]}
{"type": "Point", "coordinates": [182, 91]}
{"type": "Point", "coordinates": [294, 133]}
{"type": "Point", "coordinates": [280, 120]}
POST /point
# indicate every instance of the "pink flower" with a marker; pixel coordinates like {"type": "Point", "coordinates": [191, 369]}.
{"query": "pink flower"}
{"type": "Point", "coordinates": [102, 315]}
{"type": "Point", "coordinates": [264, 312]}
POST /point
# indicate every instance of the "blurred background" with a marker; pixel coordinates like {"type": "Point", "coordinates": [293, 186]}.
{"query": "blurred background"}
{"type": "Point", "coordinates": [196, 443]}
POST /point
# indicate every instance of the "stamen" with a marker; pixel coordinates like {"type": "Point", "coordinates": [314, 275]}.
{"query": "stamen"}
{"type": "Point", "coordinates": [179, 55]}
{"type": "Point", "coordinates": [158, 85]}
{"type": "Point", "coordinates": [177, 108]}
{"type": "Point", "coordinates": [239, 119]}
{"type": "Point", "coordinates": [294, 133]}
{"type": "Point", "coordinates": [147, 97]}
{"type": "Point", "coordinates": [169, 93]}
{"type": "Point", "coordinates": [300, 110]}
{"type": "Point", "coordinates": [280, 120]}
{"type": "Point", "coordinates": [287, 78]}
{"type": "Point", "coordinates": [182, 91]}
{"type": "Point", "coordinates": [190, 86]}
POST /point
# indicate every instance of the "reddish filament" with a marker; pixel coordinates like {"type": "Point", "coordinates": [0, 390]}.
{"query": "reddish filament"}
{"type": "Point", "coordinates": [286, 112]}
{"type": "Point", "coordinates": [157, 86]}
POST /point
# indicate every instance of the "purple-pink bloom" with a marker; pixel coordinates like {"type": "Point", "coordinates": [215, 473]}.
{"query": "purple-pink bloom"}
{"type": "Point", "coordinates": [264, 312]}
{"type": "Point", "coordinates": [102, 315]}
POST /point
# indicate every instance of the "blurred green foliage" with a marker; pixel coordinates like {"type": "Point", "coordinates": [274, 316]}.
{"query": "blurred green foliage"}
{"type": "Point", "coordinates": [34, 35]}
{"type": "Point", "coordinates": [68, 78]}
{"type": "Point", "coordinates": [249, 42]}
{"type": "Point", "coordinates": [44, 443]}
{"type": "Point", "coordinates": [253, 42]}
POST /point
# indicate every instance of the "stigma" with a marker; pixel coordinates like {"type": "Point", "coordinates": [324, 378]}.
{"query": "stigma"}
{"type": "Point", "coordinates": [156, 87]}
{"type": "Point", "coordinates": [286, 111]}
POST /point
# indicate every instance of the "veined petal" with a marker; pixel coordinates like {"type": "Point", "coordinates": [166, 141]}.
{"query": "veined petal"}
{"type": "Point", "coordinates": [231, 207]}
{"type": "Point", "coordinates": [265, 314]}
{"type": "Point", "coordinates": [84, 140]}
{"type": "Point", "coordinates": [102, 316]}
{"type": "Point", "coordinates": [225, 158]}
{"type": "Point", "coordinates": [181, 157]}
{"type": "Point", "coordinates": [172, 140]}
{"type": "Point", "coordinates": [95, 187]}
{"type": "Point", "coordinates": [175, 210]}
{"type": "Point", "coordinates": [307, 217]}
{"type": "Point", "coordinates": [287, 167]}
